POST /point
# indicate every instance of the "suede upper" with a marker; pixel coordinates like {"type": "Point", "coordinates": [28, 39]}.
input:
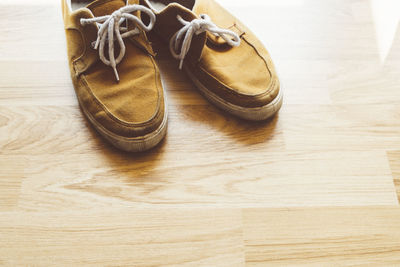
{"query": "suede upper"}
{"type": "Point", "coordinates": [132, 107]}
{"type": "Point", "coordinates": [243, 75]}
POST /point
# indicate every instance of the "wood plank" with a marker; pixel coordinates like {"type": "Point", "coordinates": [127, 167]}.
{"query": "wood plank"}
{"type": "Point", "coordinates": [297, 128]}
{"type": "Point", "coordinates": [341, 127]}
{"type": "Point", "coordinates": [172, 179]}
{"type": "Point", "coordinates": [360, 82]}
{"type": "Point", "coordinates": [122, 237]}
{"type": "Point", "coordinates": [367, 236]}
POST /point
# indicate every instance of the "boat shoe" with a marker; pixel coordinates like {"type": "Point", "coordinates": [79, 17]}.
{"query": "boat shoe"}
{"type": "Point", "coordinates": [116, 79]}
{"type": "Point", "coordinates": [224, 59]}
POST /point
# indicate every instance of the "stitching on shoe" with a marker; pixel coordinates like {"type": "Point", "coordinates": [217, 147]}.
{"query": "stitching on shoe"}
{"type": "Point", "coordinates": [233, 92]}
{"type": "Point", "coordinates": [78, 59]}
{"type": "Point", "coordinates": [101, 2]}
{"type": "Point", "coordinates": [114, 118]}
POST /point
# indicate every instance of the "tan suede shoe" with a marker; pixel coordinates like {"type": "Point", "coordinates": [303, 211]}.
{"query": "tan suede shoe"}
{"type": "Point", "coordinates": [224, 59]}
{"type": "Point", "coordinates": [116, 79]}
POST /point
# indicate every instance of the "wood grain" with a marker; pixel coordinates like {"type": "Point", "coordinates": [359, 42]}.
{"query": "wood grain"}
{"type": "Point", "coordinates": [134, 238]}
{"type": "Point", "coordinates": [394, 160]}
{"type": "Point", "coordinates": [322, 237]}
{"type": "Point", "coordinates": [86, 181]}
{"type": "Point", "coordinates": [10, 181]}
{"type": "Point", "coordinates": [314, 186]}
{"type": "Point", "coordinates": [203, 237]}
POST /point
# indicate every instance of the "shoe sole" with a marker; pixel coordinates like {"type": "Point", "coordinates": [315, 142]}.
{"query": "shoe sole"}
{"type": "Point", "coordinates": [252, 114]}
{"type": "Point", "coordinates": [135, 144]}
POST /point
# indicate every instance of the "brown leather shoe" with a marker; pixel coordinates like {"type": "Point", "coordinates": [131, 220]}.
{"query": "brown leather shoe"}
{"type": "Point", "coordinates": [225, 60]}
{"type": "Point", "coordinates": [116, 79]}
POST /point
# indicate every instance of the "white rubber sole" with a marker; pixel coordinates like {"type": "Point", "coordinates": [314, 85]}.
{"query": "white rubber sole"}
{"type": "Point", "coordinates": [252, 114]}
{"type": "Point", "coordinates": [136, 144]}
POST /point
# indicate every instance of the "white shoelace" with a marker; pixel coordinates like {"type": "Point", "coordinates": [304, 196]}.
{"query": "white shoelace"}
{"type": "Point", "coordinates": [110, 24]}
{"type": "Point", "coordinates": [197, 26]}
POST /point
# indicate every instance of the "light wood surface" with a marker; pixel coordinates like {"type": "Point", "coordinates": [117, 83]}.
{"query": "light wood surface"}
{"type": "Point", "coordinates": [322, 236]}
{"type": "Point", "coordinates": [315, 186]}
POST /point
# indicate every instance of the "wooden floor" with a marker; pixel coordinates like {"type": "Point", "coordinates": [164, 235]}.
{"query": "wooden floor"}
{"type": "Point", "coordinates": [315, 186]}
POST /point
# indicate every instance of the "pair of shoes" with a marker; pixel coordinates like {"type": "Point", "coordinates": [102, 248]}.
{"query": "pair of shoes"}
{"type": "Point", "coordinates": [117, 81]}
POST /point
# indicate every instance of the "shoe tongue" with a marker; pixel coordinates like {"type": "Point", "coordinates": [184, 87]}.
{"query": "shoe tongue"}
{"type": "Point", "coordinates": [106, 7]}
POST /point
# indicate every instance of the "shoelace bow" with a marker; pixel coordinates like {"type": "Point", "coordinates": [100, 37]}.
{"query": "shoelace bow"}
{"type": "Point", "coordinates": [110, 25]}
{"type": "Point", "coordinates": [184, 36]}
